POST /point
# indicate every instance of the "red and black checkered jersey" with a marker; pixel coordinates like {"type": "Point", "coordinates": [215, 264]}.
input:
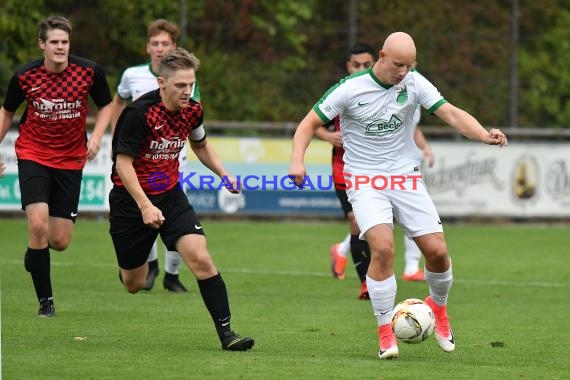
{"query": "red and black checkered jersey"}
{"type": "Point", "coordinates": [337, 161]}
{"type": "Point", "coordinates": [154, 136]}
{"type": "Point", "coordinates": [52, 130]}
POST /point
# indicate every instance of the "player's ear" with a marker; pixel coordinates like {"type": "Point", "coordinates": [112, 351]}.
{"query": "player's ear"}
{"type": "Point", "coordinates": [41, 43]}
{"type": "Point", "coordinates": [161, 81]}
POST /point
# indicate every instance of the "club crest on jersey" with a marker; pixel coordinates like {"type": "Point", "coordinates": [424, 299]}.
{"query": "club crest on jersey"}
{"type": "Point", "coordinates": [401, 94]}
{"type": "Point", "coordinates": [383, 127]}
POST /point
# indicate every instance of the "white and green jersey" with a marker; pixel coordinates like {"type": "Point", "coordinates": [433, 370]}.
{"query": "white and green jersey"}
{"type": "Point", "coordinates": [377, 120]}
{"type": "Point", "coordinates": [138, 80]}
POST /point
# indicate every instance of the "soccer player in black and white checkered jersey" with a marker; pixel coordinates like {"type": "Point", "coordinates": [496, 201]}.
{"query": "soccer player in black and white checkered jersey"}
{"type": "Point", "coordinates": [52, 147]}
{"type": "Point", "coordinates": [146, 199]}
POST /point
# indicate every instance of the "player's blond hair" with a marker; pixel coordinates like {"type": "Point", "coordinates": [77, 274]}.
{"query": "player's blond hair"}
{"type": "Point", "coordinates": [177, 59]}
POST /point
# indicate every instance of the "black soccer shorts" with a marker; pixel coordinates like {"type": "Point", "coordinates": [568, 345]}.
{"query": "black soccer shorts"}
{"type": "Point", "coordinates": [59, 188]}
{"type": "Point", "coordinates": [133, 239]}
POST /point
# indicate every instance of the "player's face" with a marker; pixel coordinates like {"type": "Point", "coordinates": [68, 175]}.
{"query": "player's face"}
{"type": "Point", "coordinates": [359, 62]}
{"type": "Point", "coordinates": [395, 68]}
{"type": "Point", "coordinates": [177, 89]}
{"type": "Point", "coordinates": [56, 48]}
{"type": "Point", "coordinates": [159, 45]}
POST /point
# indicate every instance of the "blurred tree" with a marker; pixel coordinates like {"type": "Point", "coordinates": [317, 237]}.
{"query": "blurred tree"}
{"type": "Point", "coordinates": [462, 49]}
{"type": "Point", "coordinates": [18, 28]}
{"type": "Point", "coordinates": [545, 80]}
{"type": "Point", "coordinates": [270, 60]}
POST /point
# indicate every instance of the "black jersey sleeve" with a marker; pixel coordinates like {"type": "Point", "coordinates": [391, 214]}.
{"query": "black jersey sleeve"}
{"type": "Point", "coordinates": [129, 133]}
{"type": "Point", "coordinates": [100, 92]}
{"type": "Point", "coordinates": [15, 95]}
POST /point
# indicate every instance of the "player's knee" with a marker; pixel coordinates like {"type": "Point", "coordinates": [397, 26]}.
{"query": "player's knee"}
{"type": "Point", "coordinates": [133, 286]}
{"type": "Point", "coordinates": [384, 251]}
{"type": "Point", "coordinates": [59, 243]}
{"type": "Point", "coordinates": [438, 255]}
{"type": "Point", "coordinates": [201, 263]}
{"type": "Point", "coordinates": [38, 229]}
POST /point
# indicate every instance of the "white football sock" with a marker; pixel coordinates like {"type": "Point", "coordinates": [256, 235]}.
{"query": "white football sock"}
{"type": "Point", "coordinates": [382, 297]}
{"type": "Point", "coordinates": [412, 256]}
{"type": "Point", "coordinates": [153, 254]}
{"type": "Point", "coordinates": [439, 285]}
{"type": "Point", "coordinates": [344, 247]}
{"type": "Point", "coordinates": [171, 262]}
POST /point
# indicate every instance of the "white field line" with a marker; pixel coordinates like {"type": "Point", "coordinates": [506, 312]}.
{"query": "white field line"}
{"type": "Point", "coordinates": [484, 282]}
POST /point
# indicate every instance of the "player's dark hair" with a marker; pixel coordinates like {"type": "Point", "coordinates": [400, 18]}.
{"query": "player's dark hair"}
{"type": "Point", "coordinates": [53, 22]}
{"type": "Point", "coordinates": [162, 25]}
{"type": "Point", "coordinates": [177, 59]}
{"type": "Point", "coordinates": [360, 48]}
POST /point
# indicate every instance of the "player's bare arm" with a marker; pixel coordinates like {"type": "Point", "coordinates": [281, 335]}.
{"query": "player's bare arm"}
{"type": "Point", "coordinates": [102, 120]}
{"type": "Point", "coordinates": [5, 122]}
{"type": "Point", "coordinates": [469, 127]}
{"type": "Point", "coordinates": [208, 156]}
{"type": "Point", "coordinates": [303, 135]}
{"type": "Point", "coordinates": [332, 137]}
{"type": "Point", "coordinates": [117, 105]}
{"type": "Point", "coordinates": [152, 216]}
{"type": "Point", "coordinates": [421, 142]}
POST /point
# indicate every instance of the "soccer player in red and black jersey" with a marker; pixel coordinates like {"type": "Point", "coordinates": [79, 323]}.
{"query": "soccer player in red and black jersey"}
{"type": "Point", "coordinates": [52, 146]}
{"type": "Point", "coordinates": [147, 200]}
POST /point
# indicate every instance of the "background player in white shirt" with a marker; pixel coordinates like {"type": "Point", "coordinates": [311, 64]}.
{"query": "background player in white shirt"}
{"type": "Point", "coordinates": [135, 82]}
{"type": "Point", "coordinates": [376, 110]}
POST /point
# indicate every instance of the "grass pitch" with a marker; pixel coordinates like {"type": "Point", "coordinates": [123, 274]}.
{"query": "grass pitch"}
{"type": "Point", "coordinates": [508, 309]}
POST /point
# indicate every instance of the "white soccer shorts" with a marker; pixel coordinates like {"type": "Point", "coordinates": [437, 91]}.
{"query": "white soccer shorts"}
{"type": "Point", "coordinates": [412, 207]}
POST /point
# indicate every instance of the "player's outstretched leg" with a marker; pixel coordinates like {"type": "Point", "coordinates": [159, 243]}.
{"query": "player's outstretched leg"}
{"type": "Point", "coordinates": [37, 262]}
{"type": "Point", "coordinates": [215, 296]}
{"type": "Point", "coordinates": [382, 297]}
{"type": "Point", "coordinates": [439, 285]}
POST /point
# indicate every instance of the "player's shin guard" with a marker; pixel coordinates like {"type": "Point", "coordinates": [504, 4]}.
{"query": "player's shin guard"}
{"type": "Point", "coordinates": [439, 285]}
{"type": "Point", "coordinates": [382, 297]}
{"type": "Point", "coordinates": [215, 296]}
{"type": "Point", "coordinates": [172, 262]}
{"type": "Point", "coordinates": [360, 255]}
{"type": "Point", "coordinates": [37, 262]}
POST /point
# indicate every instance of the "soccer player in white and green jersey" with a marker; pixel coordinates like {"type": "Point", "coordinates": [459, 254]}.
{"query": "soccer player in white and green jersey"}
{"type": "Point", "coordinates": [376, 109]}
{"type": "Point", "coordinates": [135, 82]}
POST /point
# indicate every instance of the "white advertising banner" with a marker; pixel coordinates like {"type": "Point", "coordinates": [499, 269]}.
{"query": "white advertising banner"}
{"type": "Point", "coordinates": [95, 185]}
{"type": "Point", "coordinates": [468, 179]}
{"type": "Point", "coordinates": [521, 180]}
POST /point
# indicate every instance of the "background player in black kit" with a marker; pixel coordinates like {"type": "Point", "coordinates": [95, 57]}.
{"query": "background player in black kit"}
{"type": "Point", "coordinates": [146, 199]}
{"type": "Point", "coordinates": [52, 145]}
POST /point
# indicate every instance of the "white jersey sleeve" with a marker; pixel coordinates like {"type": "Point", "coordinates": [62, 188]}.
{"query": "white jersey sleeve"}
{"type": "Point", "coordinates": [332, 103]}
{"type": "Point", "coordinates": [123, 89]}
{"type": "Point", "coordinates": [137, 81]}
{"type": "Point", "coordinates": [428, 95]}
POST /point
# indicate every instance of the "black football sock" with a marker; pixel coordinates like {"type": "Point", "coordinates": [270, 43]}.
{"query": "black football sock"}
{"type": "Point", "coordinates": [170, 276]}
{"type": "Point", "coordinates": [152, 264]}
{"type": "Point", "coordinates": [37, 262]}
{"type": "Point", "coordinates": [215, 296]}
{"type": "Point", "coordinates": [360, 255]}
